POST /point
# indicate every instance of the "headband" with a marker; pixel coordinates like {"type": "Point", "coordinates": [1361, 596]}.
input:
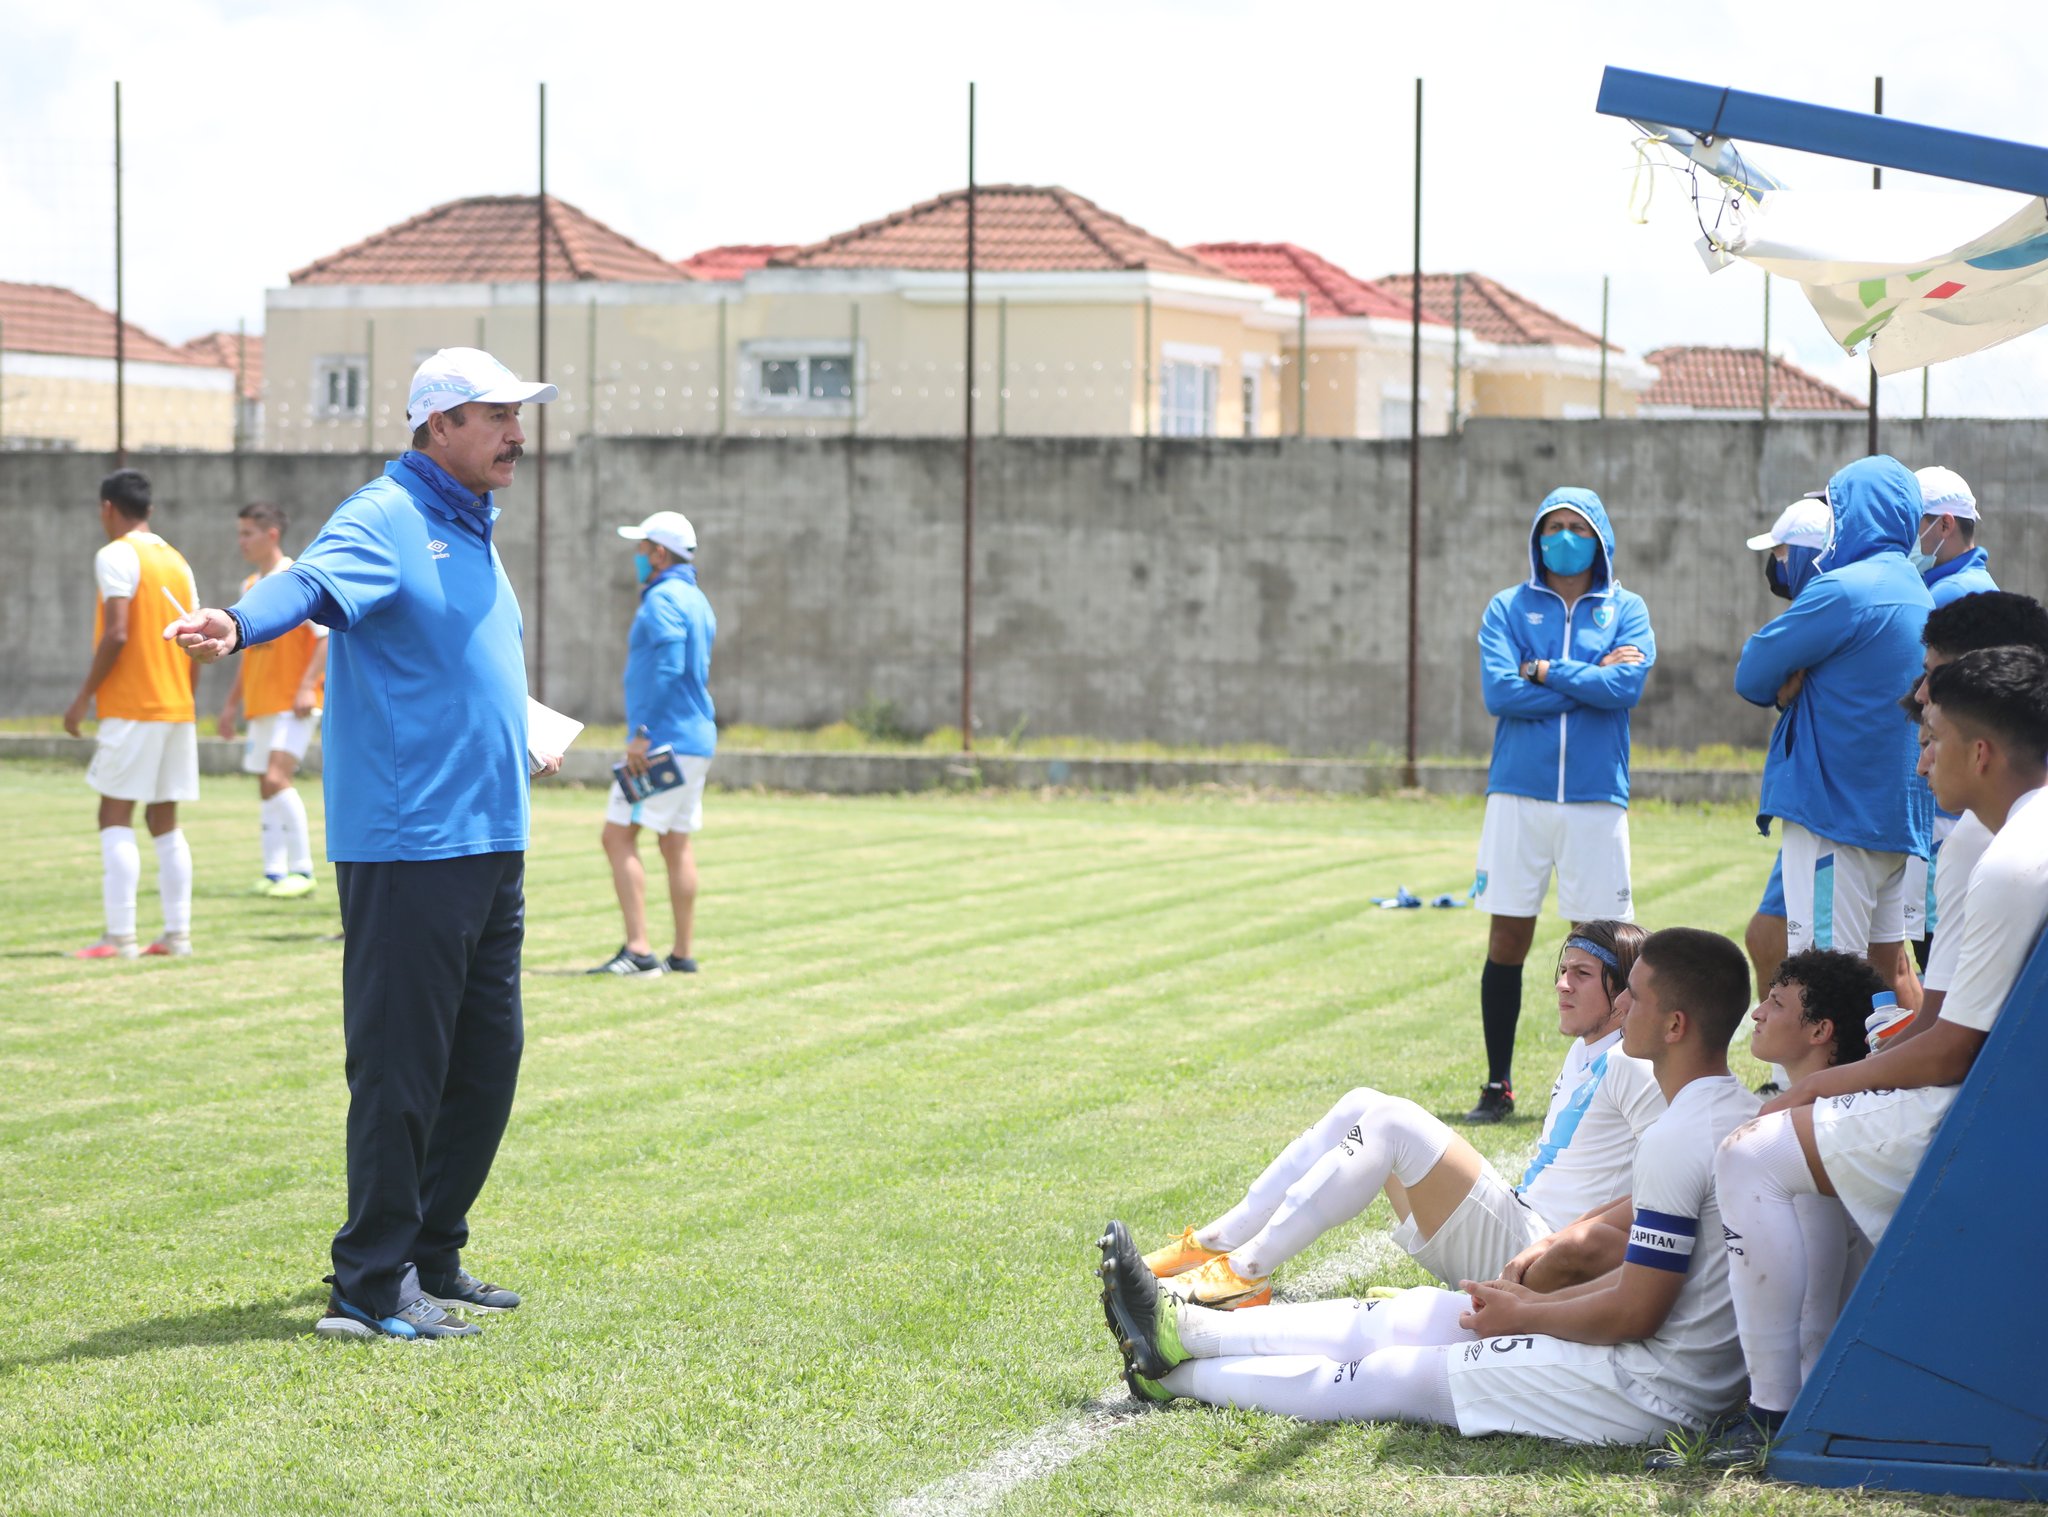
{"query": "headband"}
{"type": "Point", "coordinates": [1587, 945]}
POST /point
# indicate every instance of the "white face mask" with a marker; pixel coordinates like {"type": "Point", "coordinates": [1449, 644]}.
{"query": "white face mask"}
{"type": "Point", "coordinates": [1922, 559]}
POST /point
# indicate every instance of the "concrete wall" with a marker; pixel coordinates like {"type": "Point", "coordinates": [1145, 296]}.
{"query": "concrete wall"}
{"type": "Point", "coordinates": [1185, 592]}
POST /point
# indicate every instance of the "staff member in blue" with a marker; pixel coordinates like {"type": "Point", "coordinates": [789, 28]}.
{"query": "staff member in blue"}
{"type": "Point", "coordinates": [1562, 660]}
{"type": "Point", "coordinates": [426, 773]}
{"type": "Point", "coordinates": [668, 705]}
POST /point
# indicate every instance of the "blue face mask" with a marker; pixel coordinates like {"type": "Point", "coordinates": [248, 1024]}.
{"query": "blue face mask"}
{"type": "Point", "coordinates": [643, 566]}
{"type": "Point", "coordinates": [1566, 552]}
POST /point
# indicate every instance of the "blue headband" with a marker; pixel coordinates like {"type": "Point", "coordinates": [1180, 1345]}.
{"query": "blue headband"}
{"type": "Point", "coordinates": [1587, 945]}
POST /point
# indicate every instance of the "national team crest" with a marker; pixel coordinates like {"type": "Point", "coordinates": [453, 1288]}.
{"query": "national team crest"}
{"type": "Point", "coordinates": [1603, 617]}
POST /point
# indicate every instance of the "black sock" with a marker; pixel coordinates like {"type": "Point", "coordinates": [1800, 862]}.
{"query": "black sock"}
{"type": "Point", "coordinates": [1500, 1008]}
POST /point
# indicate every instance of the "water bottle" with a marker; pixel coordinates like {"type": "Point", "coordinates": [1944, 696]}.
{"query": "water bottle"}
{"type": "Point", "coordinates": [1887, 1019]}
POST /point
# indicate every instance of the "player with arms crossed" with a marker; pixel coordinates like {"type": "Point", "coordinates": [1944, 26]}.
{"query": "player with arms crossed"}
{"type": "Point", "coordinates": [1642, 1350]}
{"type": "Point", "coordinates": [1457, 1217]}
{"type": "Point", "coordinates": [277, 686]}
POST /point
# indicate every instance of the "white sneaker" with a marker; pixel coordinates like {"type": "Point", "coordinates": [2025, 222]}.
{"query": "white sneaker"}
{"type": "Point", "coordinates": [172, 945]}
{"type": "Point", "coordinates": [110, 948]}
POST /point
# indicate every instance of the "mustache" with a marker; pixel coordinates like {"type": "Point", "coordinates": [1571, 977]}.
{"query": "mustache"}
{"type": "Point", "coordinates": [512, 454]}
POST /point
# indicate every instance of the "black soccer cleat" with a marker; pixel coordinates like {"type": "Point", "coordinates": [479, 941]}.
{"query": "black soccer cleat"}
{"type": "Point", "coordinates": [463, 1292]}
{"type": "Point", "coordinates": [1496, 1100]}
{"type": "Point", "coordinates": [1134, 1305]}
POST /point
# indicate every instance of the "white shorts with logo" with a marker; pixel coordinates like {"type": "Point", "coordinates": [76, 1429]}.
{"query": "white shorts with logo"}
{"type": "Point", "coordinates": [1871, 1143]}
{"type": "Point", "coordinates": [1550, 1388]}
{"type": "Point", "coordinates": [145, 761]}
{"type": "Point", "coordinates": [1841, 896]}
{"type": "Point", "coordinates": [677, 810]}
{"type": "Point", "coordinates": [280, 732]}
{"type": "Point", "coordinates": [1490, 1226]}
{"type": "Point", "coordinates": [1524, 839]}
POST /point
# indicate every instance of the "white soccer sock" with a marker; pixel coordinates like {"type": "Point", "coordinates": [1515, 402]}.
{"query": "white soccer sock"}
{"type": "Point", "coordinates": [275, 836]}
{"type": "Point", "coordinates": [1342, 1329]}
{"type": "Point", "coordinates": [298, 851]}
{"type": "Point", "coordinates": [120, 873]}
{"type": "Point", "coordinates": [1760, 1173]}
{"type": "Point", "coordinates": [1393, 1385]}
{"type": "Point", "coordinates": [1294, 1161]}
{"type": "Point", "coordinates": [1391, 1138]}
{"type": "Point", "coordinates": [174, 879]}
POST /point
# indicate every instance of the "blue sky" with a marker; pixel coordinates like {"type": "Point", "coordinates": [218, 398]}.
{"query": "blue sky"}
{"type": "Point", "coordinates": [259, 137]}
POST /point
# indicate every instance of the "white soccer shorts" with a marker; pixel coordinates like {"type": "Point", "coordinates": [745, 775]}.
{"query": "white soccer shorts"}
{"type": "Point", "coordinates": [280, 732]}
{"type": "Point", "coordinates": [1840, 896]}
{"type": "Point", "coordinates": [150, 762]}
{"type": "Point", "coordinates": [1488, 1228]}
{"type": "Point", "coordinates": [1872, 1141]}
{"type": "Point", "coordinates": [677, 810]}
{"type": "Point", "coordinates": [1524, 839]}
{"type": "Point", "coordinates": [1549, 1388]}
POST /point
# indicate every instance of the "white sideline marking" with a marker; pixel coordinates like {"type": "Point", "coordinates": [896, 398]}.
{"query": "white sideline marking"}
{"type": "Point", "coordinates": [1109, 1412]}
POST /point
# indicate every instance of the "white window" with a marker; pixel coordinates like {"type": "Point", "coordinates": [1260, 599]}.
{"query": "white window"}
{"type": "Point", "coordinates": [1187, 399]}
{"type": "Point", "coordinates": [785, 377]}
{"type": "Point", "coordinates": [1251, 388]}
{"type": "Point", "coordinates": [338, 384]}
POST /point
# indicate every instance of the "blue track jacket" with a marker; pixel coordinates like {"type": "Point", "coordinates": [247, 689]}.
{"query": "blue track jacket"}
{"type": "Point", "coordinates": [1566, 739]}
{"type": "Point", "coordinates": [1842, 756]}
{"type": "Point", "coordinates": [425, 726]}
{"type": "Point", "coordinates": [1965, 574]}
{"type": "Point", "coordinates": [668, 664]}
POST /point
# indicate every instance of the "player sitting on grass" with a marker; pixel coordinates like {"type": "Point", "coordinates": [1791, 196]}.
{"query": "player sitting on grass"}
{"type": "Point", "coordinates": [1457, 1216]}
{"type": "Point", "coordinates": [1859, 1131]}
{"type": "Point", "coordinates": [277, 685]}
{"type": "Point", "coordinates": [1642, 1350]}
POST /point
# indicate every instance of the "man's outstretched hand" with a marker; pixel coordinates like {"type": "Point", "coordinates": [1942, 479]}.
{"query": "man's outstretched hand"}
{"type": "Point", "coordinates": [206, 634]}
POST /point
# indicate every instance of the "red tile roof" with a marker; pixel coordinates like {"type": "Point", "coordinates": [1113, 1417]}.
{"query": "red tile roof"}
{"type": "Point", "coordinates": [1731, 379]}
{"type": "Point", "coordinates": [221, 348]}
{"type": "Point", "coordinates": [732, 260]}
{"type": "Point", "coordinates": [46, 318]}
{"type": "Point", "coordinates": [1018, 228]}
{"type": "Point", "coordinates": [1490, 311]}
{"type": "Point", "coordinates": [491, 239]}
{"type": "Point", "coordinates": [1289, 271]}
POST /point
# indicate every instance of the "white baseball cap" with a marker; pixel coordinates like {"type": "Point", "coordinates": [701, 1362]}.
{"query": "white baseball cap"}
{"type": "Point", "coordinates": [456, 376]}
{"type": "Point", "coordinates": [1803, 524]}
{"type": "Point", "coordinates": [1943, 492]}
{"type": "Point", "coordinates": [671, 529]}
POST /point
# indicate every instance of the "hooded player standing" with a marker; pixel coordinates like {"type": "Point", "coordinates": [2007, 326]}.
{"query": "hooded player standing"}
{"type": "Point", "coordinates": [1562, 660]}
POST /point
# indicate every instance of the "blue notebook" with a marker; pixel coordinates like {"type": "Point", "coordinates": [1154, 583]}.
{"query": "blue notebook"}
{"type": "Point", "coordinates": [663, 773]}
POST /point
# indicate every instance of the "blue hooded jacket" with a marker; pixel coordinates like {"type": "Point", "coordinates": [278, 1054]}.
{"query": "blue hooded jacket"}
{"type": "Point", "coordinates": [1842, 755]}
{"type": "Point", "coordinates": [668, 664]}
{"type": "Point", "coordinates": [1566, 739]}
{"type": "Point", "coordinates": [1965, 574]}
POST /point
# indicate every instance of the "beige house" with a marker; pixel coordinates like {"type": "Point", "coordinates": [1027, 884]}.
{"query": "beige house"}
{"type": "Point", "coordinates": [57, 380]}
{"type": "Point", "coordinates": [1086, 325]}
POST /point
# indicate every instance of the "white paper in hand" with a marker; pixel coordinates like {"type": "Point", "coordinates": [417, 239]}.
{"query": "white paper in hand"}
{"type": "Point", "coordinates": [547, 731]}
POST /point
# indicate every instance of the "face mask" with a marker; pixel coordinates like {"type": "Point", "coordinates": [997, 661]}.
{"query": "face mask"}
{"type": "Point", "coordinates": [1921, 559]}
{"type": "Point", "coordinates": [1774, 576]}
{"type": "Point", "coordinates": [1566, 552]}
{"type": "Point", "coordinates": [643, 566]}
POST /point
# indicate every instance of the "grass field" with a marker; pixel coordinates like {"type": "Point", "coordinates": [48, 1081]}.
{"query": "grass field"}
{"type": "Point", "coordinates": [809, 1232]}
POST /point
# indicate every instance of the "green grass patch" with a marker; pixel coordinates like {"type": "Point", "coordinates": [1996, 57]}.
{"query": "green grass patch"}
{"type": "Point", "coordinates": [806, 1232]}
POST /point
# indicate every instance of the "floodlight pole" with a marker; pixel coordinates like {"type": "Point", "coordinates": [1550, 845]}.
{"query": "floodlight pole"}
{"type": "Point", "coordinates": [120, 307]}
{"type": "Point", "coordinates": [967, 472]}
{"type": "Point", "coordinates": [1408, 774]}
{"type": "Point", "coordinates": [540, 420]}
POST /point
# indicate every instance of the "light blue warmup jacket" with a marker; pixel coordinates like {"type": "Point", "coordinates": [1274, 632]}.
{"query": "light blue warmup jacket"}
{"type": "Point", "coordinates": [1842, 755]}
{"type": "Point", "coordinates": [668, 664]}
{"type": "Point", "coordinates": [1566, 739]}
{"type": "Point", "coordinates": [424, 735]}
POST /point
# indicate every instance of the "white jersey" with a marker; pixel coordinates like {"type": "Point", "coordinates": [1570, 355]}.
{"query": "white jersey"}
{"type": "Point", "coordinates": [1602, 1103]}
{"type": "Point", "coordinates": [1694, 1361]}
{"type": "Point", "coordinates": [1965, 844]}
{"type": "Point", "coordinates": [1871, 1141]}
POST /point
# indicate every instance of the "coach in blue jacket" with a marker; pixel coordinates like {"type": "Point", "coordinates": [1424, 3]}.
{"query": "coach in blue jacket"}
{"type": "Point", "coordinates": [668, 705]}
{"type": "Point", "coordinates": [426, 772]}
{"type": "Point", "coordinates": [1562, 660]}
{"type": "Point", "coordinates": [1838, 772]}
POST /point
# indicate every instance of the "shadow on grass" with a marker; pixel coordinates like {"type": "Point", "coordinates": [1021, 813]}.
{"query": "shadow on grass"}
{"type": "Point", "coordinates": [277, 1317]}
{"type": "Point", "coordinates": [1269, 1464]}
